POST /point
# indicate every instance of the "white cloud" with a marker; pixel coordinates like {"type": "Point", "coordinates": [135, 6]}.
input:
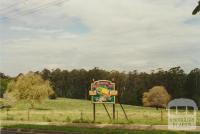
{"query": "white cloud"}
{"type": "Point", "coordinates": [111, 34]}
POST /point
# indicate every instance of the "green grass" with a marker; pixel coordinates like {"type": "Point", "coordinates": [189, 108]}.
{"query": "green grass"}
{"type": "Point", "coordinates": [69, 110]}
{"type": "Point", "coordinates": [94, 130]}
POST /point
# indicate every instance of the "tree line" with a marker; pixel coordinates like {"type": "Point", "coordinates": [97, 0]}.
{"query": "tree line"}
{"type": "Point", "coordinates": [130, 85]}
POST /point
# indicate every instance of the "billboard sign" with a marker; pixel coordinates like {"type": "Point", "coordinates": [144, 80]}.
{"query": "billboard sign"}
{"type": "Point", "coordinates": [103, 91]}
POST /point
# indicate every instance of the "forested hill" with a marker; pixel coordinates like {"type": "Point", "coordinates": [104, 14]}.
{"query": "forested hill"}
{"type": "Point", "coordinates": [131, 85]}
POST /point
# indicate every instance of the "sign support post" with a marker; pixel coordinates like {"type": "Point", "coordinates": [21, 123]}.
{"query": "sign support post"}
{"type": "Point", "coordinates": [107, 111]}
{"type": "Point", "coordinates": [94, 112]}
{"type": "Point", "coordinates": [113, 111]}
{"type": "Point", "coordinates": [122, 108]}
{"type": "Point", "coordinates": [103, 92]}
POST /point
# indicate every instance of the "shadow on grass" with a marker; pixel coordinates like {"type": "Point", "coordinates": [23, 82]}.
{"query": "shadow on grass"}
{"type": "Point", "coordinates": [41, 109]}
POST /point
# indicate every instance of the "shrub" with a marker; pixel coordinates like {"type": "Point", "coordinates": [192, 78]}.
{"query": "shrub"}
{"type": "Point", "coordinates": [156, 97]}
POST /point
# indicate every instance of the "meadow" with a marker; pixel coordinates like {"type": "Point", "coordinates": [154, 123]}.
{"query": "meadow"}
{"type": "Point", "coordinates": [63, 110]}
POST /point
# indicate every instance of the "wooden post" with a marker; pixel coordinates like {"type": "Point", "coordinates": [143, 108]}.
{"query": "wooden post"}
{"type": "Point", "coordinates": [123, 111]}
{"type": "Point", "coordinates": [81, 116]}
{"type": "Point", "coordinates": [107, 111]}
{"type": "Point", "coordinates": [28, 114]}
{"type": "Point", "coordinates": [117, 116]}
{"type": "Point", "coordinates": [113, 111]}
{"type": "Point", "coordinates": [94, 112]}
{"type": "Point", "coordinates": [7, 113]}
{"type": "Point", "coordinates": [118, 97]}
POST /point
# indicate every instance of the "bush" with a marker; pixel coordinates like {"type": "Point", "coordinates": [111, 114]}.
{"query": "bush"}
{"type": "Point", "coordinates": [30, 87]}
{"type": "Point", "coordinates": [156, 97]}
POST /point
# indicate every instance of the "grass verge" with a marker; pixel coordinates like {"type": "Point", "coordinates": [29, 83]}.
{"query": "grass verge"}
{"type": "Point", "coordinates": [93, 130]}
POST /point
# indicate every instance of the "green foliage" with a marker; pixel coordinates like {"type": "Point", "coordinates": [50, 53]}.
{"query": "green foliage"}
{"type": "Point", "coordinates": [30, 87]}
{"type": "Point", "coordinates": [3, 86]}
{"type": "Point", "coordinates": [192, 86]}
{"type": "Point", "coordinates": [3, 76]}
{"type": "Point", "coordinates": [156, 97]}
{"type": "Point", "coordinates": [130, 85]}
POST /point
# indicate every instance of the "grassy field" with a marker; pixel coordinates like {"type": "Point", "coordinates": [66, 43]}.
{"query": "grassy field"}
{"type": "Point", "coordinates": [76, 111]}
{"type": "Point", "coordinates": [94, 130]}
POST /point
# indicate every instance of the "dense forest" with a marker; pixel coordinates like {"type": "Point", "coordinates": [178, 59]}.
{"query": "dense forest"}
{"type": "Point", "coordinates": [131, 85]}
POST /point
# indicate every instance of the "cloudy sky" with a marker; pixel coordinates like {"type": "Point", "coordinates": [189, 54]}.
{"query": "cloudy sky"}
{"type": "Point", "coordinates": [110, 34]}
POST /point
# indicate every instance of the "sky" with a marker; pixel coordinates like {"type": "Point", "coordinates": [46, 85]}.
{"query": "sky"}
{"type": "Point", "coordinates": [119, 35]}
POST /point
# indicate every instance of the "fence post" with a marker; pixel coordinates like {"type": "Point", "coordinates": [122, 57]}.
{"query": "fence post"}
{"type": "Point", "coordinates": [28, 114]}
{"type": "Point", "coordinates": [117, 116]}
{"type": "Point", "coordinates": [81, 116]}
{"type": "Point", "coordinates": [7, 109]}
{"type": "Point", "coordinates": [161, 112]}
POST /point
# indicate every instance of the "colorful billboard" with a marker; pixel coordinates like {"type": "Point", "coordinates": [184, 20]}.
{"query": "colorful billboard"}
{"type": "Point", "coordinates": [103, 91]}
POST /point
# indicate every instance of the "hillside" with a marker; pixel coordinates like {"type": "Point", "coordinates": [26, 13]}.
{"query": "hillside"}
{"type": "Point", "coordinates": [74, 110]}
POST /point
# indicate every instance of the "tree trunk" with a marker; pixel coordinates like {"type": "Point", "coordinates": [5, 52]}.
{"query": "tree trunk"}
{"type": "Point", "coordinates": [161, 115]}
